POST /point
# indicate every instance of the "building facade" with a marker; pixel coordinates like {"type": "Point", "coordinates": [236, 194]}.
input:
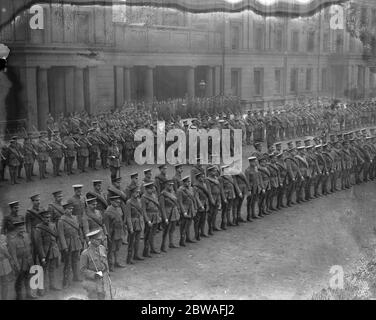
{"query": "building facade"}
{"type": "Point", "coordinates": [96, 58]}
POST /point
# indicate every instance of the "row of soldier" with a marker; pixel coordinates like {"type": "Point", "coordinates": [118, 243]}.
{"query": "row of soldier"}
{"type": "Point", "coordinates": [110, 136]}
{"type": "Point", "coordinates": [269, 184]}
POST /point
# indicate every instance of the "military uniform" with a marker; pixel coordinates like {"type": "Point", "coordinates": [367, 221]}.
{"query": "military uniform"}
{"type": "Point", "coordinates": [188, 207]}
{"type": "Point", "coordinates": [136, 214]}
{"type": "Point", "coordinates": [113, 219]}
{"type": "Point", "coordinates": [82, 153]}
{"type": "Point", "coordinates": [46, 238]}
{"type": "Point", "coordinates": [56, 155]}
{"type": "Point", "coordinates": [215, 196]}
{"type": "Point", "coordinates": [42, 158]}
{"type": "Point", "coordinates": [14, 161]}
{"type": "Point", "coordinates": [201, 192]}
{"type": "Point", "coordinates": [70, 236]}
{"type": "Point", "coordinates": [114, 159]}
{"type": "Point", "coordinates": [170, 215]}
{"type": "Point", "coordinates": [29, 158]}
{"type": "Point", "coordinates": [19, 246]}
{"type": "Point", "coordinates": [94, 267]}
{"type": "Point", "coordinates": [228, 195]}
{"type": "Point", "coordinates": [151, 207]}
{"type": "Point", "coordinates": [69, 154]}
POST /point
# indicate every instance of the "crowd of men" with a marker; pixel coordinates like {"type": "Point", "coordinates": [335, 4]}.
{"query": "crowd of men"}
{"type": "Point", "coordinates": [109, 137]}
{"type": "Point", "coordinates": [87, 230]}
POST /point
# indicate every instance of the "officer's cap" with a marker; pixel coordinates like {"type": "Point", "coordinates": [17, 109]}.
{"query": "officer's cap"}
{"type": "Point", "coordinates": [162, 166]}
{"type": "Point", "coordinates": [45, 212]}
{"type": "Point", "coordinates": [178, 165]}
{"type": "Point", "coordinates": [199, 174]}
{"type": "Point", "coordinates": [309, 147]}
{"type": "Point", "coordinates": [170, 181]}
{"type": "Point", "coordinates": [77, 186]}
{"type": "Point", "coordinates": [57, 193]}
{"type": "Point", "coordinates": [300, 148]}
{"type": "Point", "coordinates": [97, 181]}
{"type": "Point", "coordinates": [116, 179]}
{"type": "Point", "coordinates": [34, 197]}
{"type": "Point", "coordinates": [278, 144]}
{"type": "Point", "coordinates": [185, 179]}
{"type": "Point", "coordinates": [19, 223]}
{"type": "Point", "coordinates": [149, 185]}
{"type": "Point", "coordinates": [91, 198]}
{"type": "Point", "coordinates": [68, 205]}
{"type": "Point", "coordinates": [252, 158]}
{"type": "Point", "coordinates": [211, 168]}
{"type": "Point", "coordinates": [13, 203]}
{"type": "Point", "coordinates": [147, 171]}
{"type": "Point", "coordinates": [279, 155]}
{"type": "Point", "coordinates": [114, 197]}
{"type": "Point", "coordinates": [134, 175]}
{"type": "Point", "coordinates": [93, 234]}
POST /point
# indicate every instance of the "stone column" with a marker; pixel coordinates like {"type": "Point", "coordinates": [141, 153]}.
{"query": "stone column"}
{"type": "Point", "coordinates": [127, 84]}
{"type": "Point", "coordinates": [28, 77]}
{"type": "Point", "coordinates": [92, 90]}
{"type": "Point", "coordinates": [149, 84]}
{"type": "Point", "coordinates": [69, 89]}
{"type": "Point", "coordinates": [209, 82]}
{"type": "Point", "coordinates": [119, 86]}
{"type": "Point", "coordinates": [43, 100]}
{"type": "Point", "coordinates": [79, 99]}
{"type": "Point", "coordinates": [217, 84]}
{"type": "Point", "coordinates": [191, 81]}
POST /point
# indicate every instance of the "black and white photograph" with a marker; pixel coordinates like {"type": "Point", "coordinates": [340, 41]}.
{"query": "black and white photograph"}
{"type": "Point", "coordinates": [187, 150]}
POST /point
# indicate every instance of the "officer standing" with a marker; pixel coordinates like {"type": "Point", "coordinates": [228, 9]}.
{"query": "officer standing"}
{"type": "Point", "coordinates": [14, 160]}
{"type": "Point", "coordinates": [114, 158]}
{"type": "Point", "coordinates": [241, 192]}
{"type": "Point", "coordinates": [69, 153]}
{"type": "Point", "coordinates": [19, 246]}
{"type": "Point", "coordinates": [94, 267]}
{"type": "Point", "coordinates": [32, 219]}
{"type": "Point", "coordinates": [70, 237]}
{"type": "Point", "coordinates": [56, 154]}
{"type": "Point", "coordinates": [228, 195]}
{"type": "Point", "coordinates": [153, 216]}
{"type": "Point", "coordinates": [134, 209]}
{"type": "Point", "coordinates": [42, 149]}
{"type": "Point", "coordinates": [215, 198]}
{"type": "Point", "coordinates": [201, 192]}
{"type": "Point", "coordinates": [188, 207]}
{"type": "Point", "coordinates": [114, 220]}
{"type": "Point", "coordinates": [46, 238]}
{"type": "Point", "coordinates": [170, 214]}
{"type": "Point", "coordinates": [256, 188]}
{"type": "Point", "coordinates": [29, 154]}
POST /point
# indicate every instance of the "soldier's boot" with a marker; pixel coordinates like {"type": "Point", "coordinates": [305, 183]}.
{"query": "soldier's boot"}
{"type": "Point", "coordinates": [130, 255]}
{"type": "Point", "coordinates": [152, 246]}
{"type": "Point", "coordinates": [117, 263]}
{"type": "Point", "coordinates": [163, 244]}
{"type": "Point", "coordinates": [51, 275]}
{"type": "Point", "coordinates": [196, 222]}
{"type": "Point", "coordinates": [146, 251]}
{"type": "Point", "coordinates": [136, 251]}
{"type": "Point", "coordinates": [66, 281]}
